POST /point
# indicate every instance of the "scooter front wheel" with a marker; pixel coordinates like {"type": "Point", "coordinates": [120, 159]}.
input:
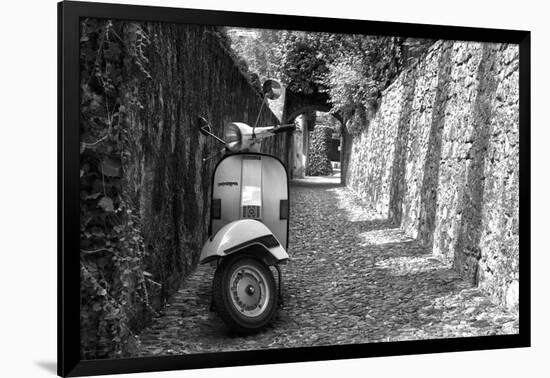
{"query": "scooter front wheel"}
{"type": "Point", "coordinates": [244, 293]}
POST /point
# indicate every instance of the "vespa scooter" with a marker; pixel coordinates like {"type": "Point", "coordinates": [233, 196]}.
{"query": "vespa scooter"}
{"type": "Point", "coordinates": [248, 223]}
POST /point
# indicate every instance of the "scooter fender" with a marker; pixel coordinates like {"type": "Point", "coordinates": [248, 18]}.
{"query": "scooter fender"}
{"type": "Point", "coordinates": [240, 235]}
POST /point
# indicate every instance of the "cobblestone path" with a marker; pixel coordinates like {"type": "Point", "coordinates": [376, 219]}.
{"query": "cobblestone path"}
{"type": "Point", "coordinates": [352, 278]}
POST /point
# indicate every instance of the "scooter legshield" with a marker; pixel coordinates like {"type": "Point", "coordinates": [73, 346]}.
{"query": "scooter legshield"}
{"type": "Point", "coordinates": [241, 234]}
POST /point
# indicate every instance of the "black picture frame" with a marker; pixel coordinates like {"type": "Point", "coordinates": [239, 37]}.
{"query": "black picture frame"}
{"type": "Point", "coordinates": [69, 363]}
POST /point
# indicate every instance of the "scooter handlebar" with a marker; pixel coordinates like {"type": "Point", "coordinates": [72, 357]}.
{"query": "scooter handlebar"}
{"type": "Point", "coordinates": [284, 128]}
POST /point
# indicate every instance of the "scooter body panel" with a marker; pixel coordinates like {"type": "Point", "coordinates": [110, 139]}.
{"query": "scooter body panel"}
{"type": "Point", "coordinates": [239, 235]}
{"type": "Point", "coordinates": [251, 186]}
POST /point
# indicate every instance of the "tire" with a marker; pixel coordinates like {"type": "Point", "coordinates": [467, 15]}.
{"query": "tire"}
{"type": "Point", "coordinates": [244, 293]}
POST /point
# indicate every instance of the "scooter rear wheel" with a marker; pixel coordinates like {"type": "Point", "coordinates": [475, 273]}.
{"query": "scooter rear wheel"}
{"type": "Point", "coordinates": [244, 293]}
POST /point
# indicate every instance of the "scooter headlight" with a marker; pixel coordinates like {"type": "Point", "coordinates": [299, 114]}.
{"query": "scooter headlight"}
{"type": "Point", "coordinates": [233, 137]}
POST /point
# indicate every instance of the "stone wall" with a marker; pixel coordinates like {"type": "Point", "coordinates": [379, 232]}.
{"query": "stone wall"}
{"type": "Point", "coordinates": [192, 75]}
{"type": "Point", "coordinates": [155, 80]}
{"type": "Point", "coordinates": [440, 158]}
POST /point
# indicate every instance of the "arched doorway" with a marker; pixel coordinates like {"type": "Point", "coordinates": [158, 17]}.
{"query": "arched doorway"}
{"type": "Point", "coordinates": [316, 148]}
{"type": "Point", "coordinates": [296, 104]}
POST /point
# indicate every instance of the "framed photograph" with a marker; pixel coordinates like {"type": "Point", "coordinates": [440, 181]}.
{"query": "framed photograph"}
{"type": "Point", "coordinates": [240, 188]}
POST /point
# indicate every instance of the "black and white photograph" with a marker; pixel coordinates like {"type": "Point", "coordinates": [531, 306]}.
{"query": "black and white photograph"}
{"type": "Point", "coordinates": [251, 189]}
{"type": "Point", "coordinates": [275, 189]}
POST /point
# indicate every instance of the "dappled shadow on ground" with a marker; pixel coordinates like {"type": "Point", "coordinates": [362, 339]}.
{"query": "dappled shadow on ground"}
{"type": "Point", "coordinates": [352, 278]}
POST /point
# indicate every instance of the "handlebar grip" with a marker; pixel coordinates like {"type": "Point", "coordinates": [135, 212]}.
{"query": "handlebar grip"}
{"type": "Point", "coordinates": [284, 128]}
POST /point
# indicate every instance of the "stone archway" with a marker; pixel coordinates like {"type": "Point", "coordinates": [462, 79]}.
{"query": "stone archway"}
{"type": "Point", "coordinates": [296, 104]}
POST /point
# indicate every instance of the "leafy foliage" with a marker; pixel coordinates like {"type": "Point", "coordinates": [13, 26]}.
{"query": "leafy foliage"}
{"type": "Point", "coordinates": [327, 119]}
{"type": "Point", "coordinates": [304, 59]}
{"type": "Point", "coordinates": [358, 76]}
{"type": "Point", "coordinates": [353, 69]}
{"type": "Point", "coordinates": [357, 119]}
{"type": "Point", "coordinates": [113, 287]}
{"type": "Point", "coordinates": [318, 160]}
{"type": "Point", "coordinates": [257, 49]}
{"type": "Point", "coordinates": [245, 55]}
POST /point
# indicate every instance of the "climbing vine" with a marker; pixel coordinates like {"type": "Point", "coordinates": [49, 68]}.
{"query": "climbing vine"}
{"type": "Point", "coordinates": [113, 280]}
{"type": "Point", "coordinates": [319, 162]}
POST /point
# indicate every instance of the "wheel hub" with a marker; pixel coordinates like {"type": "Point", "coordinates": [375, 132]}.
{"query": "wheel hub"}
{"type": "Point", "coordinates": [249, 292]}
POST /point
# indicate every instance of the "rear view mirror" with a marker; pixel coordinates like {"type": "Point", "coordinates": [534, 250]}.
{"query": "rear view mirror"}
{"type": "Point", "coordinates": [272, 89]}
{"type": "Point", "coordinates": [204, 126]}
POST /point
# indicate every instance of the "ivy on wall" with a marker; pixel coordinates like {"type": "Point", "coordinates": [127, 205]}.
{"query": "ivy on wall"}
{"type": "Point", "coordinates": [143, 185]}
{"type": "Point", "coordinates": [113, 282]}
{"type": "Point", "coordinates": [318, 160]}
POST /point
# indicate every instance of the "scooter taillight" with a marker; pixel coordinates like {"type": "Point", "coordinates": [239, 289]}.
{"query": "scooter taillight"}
{"type": "Point", "coordinates": [283, 209]}
{"type": "Point", "coordinates": [216, 208]}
